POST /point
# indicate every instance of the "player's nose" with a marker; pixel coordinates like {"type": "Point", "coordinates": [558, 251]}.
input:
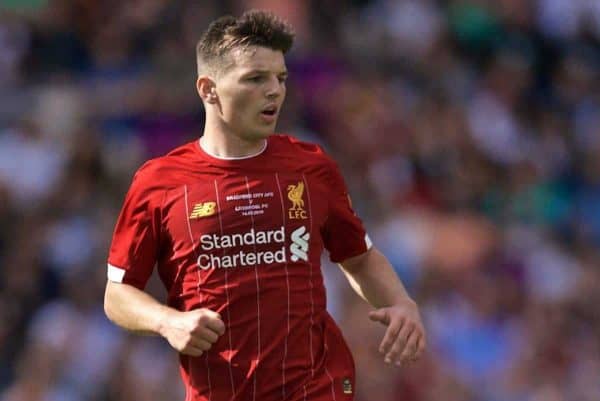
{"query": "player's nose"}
{"type": "Point", "coordinates": [274, 88]}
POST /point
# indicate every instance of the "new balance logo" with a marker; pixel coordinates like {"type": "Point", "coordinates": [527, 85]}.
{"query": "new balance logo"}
{"type": "Point", "coordinates": [299, 246]}
{"type": "Point", "coordinates": [203, 210]}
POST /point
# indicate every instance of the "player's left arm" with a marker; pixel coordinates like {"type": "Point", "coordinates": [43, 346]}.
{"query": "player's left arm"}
{"type": "Point", "coordinates": [373, 278]}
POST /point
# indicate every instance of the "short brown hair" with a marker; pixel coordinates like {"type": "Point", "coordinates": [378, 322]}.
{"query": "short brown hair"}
{"type": "Point", "coordinates": [253, 28]}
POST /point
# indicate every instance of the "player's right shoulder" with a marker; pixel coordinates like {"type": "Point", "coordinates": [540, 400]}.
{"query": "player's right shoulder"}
{"type": "Point", "coordinates": [148, 171]}
{"type": "Point", "coordinates": [146, 184]}
{"type": "Point", "coordinates": [165, 171]}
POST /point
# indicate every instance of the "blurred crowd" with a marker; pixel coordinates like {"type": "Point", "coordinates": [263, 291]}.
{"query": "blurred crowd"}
{"type": "Point", "coordinates": [468, 132]}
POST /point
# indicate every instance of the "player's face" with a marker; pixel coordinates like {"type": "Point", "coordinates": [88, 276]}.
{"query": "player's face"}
{"type": "Point", "coordinates": [251, 92]}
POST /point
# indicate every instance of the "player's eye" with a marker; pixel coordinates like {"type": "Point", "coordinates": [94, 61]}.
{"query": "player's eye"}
{"type": "Point", "coordinates": [282, 79]}
{"type": "Point", "coordinates": [255, 78]}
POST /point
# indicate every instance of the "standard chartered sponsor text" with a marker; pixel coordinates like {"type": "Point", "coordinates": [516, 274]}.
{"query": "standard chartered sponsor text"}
{"type": "Point", "coordinates": [211, 242]}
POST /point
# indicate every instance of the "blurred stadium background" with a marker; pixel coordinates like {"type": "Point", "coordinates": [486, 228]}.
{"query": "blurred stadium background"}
{"type": "Point", "coordinates": [468, 131]}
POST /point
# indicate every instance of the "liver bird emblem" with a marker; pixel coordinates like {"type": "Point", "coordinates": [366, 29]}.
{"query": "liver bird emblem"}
{"type": "Point", "coordinates": [295, 193]}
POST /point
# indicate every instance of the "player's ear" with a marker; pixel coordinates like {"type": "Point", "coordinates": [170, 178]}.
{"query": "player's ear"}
{"type": "Point", "coordinates": [206, 89]}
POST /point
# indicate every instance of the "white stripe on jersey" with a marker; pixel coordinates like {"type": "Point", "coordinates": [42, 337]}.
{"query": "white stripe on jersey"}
{"type": "Point", "coordinates": [187, 214]}
{"type": "Point", "coordinates": [328, 374]}
{"type": "Point", "coordinates": [312, 302]}
{"type": "Point", "coordinates": [226, 289]}
{"type": "Point", "coordinates": [257, 302]}
{"type": "Point", "coordinates": [208, 374]}
{"type": "Point", "coordinates": [287, 281]}
{"type": "Point", "coordinates": [189, 226]}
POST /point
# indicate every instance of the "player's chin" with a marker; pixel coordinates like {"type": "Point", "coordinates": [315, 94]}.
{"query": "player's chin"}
{"type": "Point", "coordinates": [257, 135]}
{"type": "Point", "coordinates": [263, 131]}
{"type": "Point", "coordinates": [264, 134]}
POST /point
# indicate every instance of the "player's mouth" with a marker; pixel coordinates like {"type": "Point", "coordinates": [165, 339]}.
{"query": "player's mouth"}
{"type": "Point", "coordinates": [269, 113]}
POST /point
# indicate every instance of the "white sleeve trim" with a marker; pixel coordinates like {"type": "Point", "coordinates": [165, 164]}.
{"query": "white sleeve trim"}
{"type": "Point", "coordinates": [115, 273]}
{"type": "Point", "coordinates": [368, 242]}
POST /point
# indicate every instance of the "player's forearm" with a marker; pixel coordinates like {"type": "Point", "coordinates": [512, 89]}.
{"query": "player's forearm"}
{"type": "Point", "coordinates": [372, 277]}
{"type": "Point", "coordinates": [135, 310]}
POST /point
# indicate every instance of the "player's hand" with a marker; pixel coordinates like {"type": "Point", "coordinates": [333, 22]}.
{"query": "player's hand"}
{"type": "Point", "coordinates": [404, 339]}
{"type": "Point", "coordinates": [193, 332]}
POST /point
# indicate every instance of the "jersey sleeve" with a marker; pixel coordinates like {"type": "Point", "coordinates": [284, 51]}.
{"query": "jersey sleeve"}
{"type": "Point", "coordinates": [344, 235]}
{"type": "Point", "coordinates": [135, 243]}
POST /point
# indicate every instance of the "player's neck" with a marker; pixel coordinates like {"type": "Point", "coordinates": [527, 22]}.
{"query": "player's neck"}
{"type": "Point", "coordinates": [223, 145]}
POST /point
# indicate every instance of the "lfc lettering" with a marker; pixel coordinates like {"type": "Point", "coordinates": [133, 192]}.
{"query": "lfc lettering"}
{"type": "Point", "coordinates": [297, 214]}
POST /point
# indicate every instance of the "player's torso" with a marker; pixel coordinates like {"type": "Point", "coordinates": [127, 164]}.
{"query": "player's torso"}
{"type": "Point", "coordinates": [247, 244]}
{"type": "Point", "coordinates": [245, 232]}
{"type": "Point", "coordinates": [245, 239]}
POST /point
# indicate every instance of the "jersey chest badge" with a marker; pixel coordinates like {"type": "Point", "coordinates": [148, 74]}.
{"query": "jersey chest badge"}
{"type": "Point", "coordinates": [203, 209]}
{"type": "Point", "coordinates": [347, 386]}
{"type": "Point", "coordinates": [296, 196]}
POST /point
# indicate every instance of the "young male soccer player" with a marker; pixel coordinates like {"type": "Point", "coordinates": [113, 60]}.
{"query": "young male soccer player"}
{"type": "Point", "coordinates": [236, 222]}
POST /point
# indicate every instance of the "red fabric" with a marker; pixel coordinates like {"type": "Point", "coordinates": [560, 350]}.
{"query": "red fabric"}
{"type": "Point", "coordinates": [189, 212]}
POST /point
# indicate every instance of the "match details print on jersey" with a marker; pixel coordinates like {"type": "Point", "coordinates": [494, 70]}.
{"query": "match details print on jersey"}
{"type": "Point", "coordinates": [251, 243]}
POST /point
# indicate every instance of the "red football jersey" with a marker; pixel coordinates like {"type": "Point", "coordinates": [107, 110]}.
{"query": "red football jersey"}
{"type": "Point", "coordinates": [244, 237]}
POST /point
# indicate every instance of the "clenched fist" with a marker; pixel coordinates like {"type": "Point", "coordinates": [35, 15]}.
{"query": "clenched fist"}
{"type": "Point", "coordinates": [404, 339]}
{"type": "Point", "coordinates": [192, 332]}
